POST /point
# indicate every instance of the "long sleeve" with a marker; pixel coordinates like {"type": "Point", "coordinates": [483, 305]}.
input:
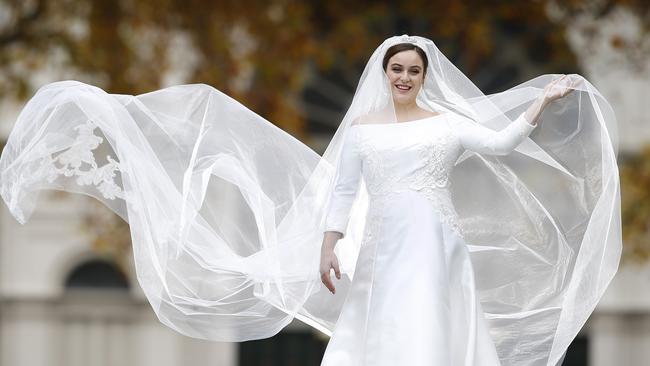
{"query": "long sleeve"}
{"type": "Point", "coordinates": [346, 185]}
{"type": "Point", "coordinates": [483, 140]}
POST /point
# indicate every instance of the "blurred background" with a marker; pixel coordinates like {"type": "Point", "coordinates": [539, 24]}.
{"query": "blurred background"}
{"type": "Point", "coordinates": [68, 291]}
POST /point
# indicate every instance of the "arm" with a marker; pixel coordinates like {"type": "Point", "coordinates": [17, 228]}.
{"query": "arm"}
{"type": "Point", "coordinates": [556, 89]}
{"type": "Point", "coordinates": [483, 140]}
{"type": "Point", "coordinates": [533, 112]}
{"type": "Point", "coordinates": [345, 188]}
{"type": "Point", "coordinates": [338, 214]}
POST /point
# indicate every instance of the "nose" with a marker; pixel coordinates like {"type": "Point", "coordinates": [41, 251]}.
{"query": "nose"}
{"type": "Point", "coordinates": [405, 77]}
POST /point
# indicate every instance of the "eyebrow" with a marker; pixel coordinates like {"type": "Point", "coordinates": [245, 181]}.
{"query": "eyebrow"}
{"type": "Point", "coordinates": [398, 64]}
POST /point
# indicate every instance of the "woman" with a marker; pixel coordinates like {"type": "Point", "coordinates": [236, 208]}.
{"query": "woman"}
{"type": "Point", "coordinates": [436, 319]}
{"type": "Point", "coordinates": [480, 247]}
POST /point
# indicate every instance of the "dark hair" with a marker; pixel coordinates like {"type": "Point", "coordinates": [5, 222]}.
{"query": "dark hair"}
{"type": "Point", "coordinates": [397, 48]}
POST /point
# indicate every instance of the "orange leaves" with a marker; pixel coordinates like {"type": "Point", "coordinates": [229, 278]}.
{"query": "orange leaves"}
{"type": "Point", "coordinates": [635, 207]}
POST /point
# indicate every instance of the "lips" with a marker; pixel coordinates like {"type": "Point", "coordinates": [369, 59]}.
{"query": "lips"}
{"type": "Point", "coordinates": [403, 87]}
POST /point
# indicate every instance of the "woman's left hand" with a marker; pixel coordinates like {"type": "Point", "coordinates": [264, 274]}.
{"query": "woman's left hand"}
{"type": "Point", "coordinates": [556, 89]}
{"type": "Point", "coordinates": [559, 88]}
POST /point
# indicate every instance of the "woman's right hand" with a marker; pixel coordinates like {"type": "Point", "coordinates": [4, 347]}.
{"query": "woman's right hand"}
{"type": "Point", "coordinates": [328, 260]}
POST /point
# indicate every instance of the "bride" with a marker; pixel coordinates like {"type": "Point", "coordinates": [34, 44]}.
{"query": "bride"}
{"type": "Point", "coordinates": [462, 228]}
{"type": "Point", "coordinates": [414, 285]}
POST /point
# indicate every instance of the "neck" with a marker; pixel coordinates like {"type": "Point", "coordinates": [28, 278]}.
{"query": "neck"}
{"type": "Point", "coordinates": [405, 110]}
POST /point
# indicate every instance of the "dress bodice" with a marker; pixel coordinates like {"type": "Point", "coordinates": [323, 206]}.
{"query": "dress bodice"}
{"type": "Point", "coordinates": [417, 156]}
{"type": "Point", "coordinates": [394, 157]}
{"type": "Point", "coordinates": [400, 160]}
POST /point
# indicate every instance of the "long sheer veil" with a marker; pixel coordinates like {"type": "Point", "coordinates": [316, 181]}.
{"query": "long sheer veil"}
{"type": "Point", "coordinates": [227, 211]}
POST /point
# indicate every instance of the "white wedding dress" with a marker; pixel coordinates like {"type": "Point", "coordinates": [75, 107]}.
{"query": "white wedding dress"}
{"type": "Point", "coordinates": [413, 299]}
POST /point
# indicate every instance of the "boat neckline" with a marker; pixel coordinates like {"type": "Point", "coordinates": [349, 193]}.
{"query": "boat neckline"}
{"type": "Point", "coordinates": [402, 123]}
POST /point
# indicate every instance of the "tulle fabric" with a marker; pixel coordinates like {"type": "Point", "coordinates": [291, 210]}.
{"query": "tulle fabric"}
{"type": "Point", "coordinates": [227, 211]}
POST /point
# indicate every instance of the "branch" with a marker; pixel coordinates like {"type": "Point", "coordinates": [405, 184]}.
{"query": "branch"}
{"type": "Point", "coordinates": [19, 30]}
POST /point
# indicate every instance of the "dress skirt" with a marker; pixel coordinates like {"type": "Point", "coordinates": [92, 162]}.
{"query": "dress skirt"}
{"type": "Point", "coordinates": [412, 300]}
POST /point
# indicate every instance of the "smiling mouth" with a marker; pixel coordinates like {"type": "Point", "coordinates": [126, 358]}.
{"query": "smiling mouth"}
{"type": "Point", "coordinates": [403, 87]}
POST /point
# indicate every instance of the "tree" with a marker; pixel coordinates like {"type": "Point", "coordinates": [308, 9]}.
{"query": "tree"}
{"type": "Point", "coordinates": [267, 53]}
{"type": "Point", "coordinates": [262, 53]}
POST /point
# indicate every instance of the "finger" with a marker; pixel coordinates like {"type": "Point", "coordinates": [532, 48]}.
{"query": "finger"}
{"type": "Point", "coordinates": [560, 81]}
{"type": "Point", "coordinates": [575, 83]}
{"type": "Point", "coordinates": [561, 86]}
{"type": "Point", "coordinates": [337, 272]}
{"type": "Point", "coordinates": [568, 87]}
{"type": "Point", "coordinates": [327, 281]}
{"type": "Point", "coordinates": [554, 83]}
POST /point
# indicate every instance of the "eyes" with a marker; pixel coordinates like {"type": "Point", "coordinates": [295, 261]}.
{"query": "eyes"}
{"type": "Point", "coordinates": [413, 70]}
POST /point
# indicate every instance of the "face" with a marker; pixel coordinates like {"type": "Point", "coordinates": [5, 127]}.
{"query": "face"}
{"type": "Point", "coordinates": [405, 72]}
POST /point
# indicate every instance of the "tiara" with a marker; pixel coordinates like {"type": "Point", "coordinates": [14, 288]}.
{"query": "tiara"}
{"type": "Point", "coordinates": [408, 39]}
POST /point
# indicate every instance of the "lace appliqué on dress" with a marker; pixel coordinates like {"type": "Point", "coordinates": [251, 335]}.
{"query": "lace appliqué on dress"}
{"type": "Point", "coordinates": [431, 179]}
{"type": "Point", "coordinates": [376, 182]}
{"type": "Point", "coordinates": [379, 181]}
